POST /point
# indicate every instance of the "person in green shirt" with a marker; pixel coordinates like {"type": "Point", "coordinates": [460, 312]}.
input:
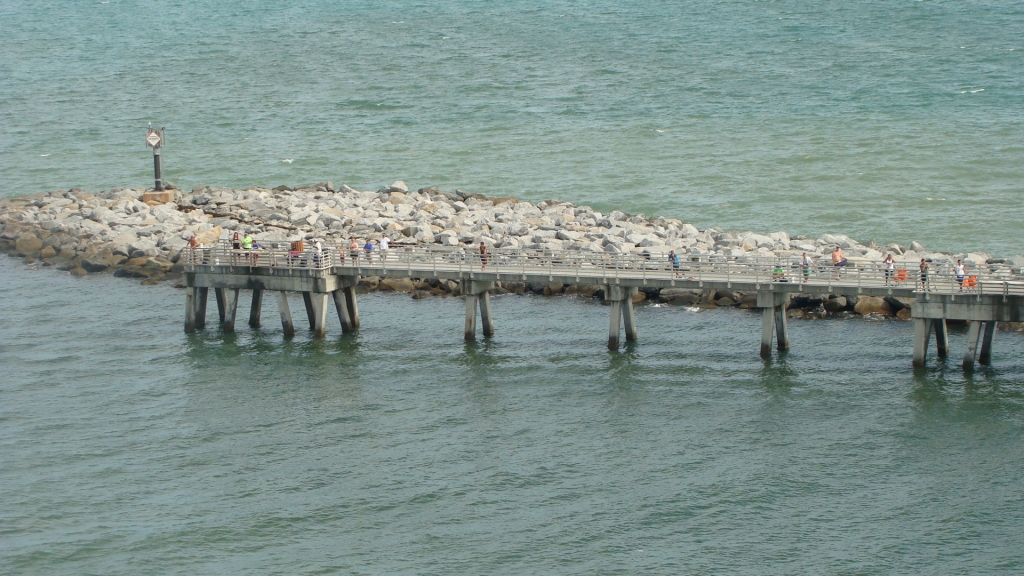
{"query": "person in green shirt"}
{"type": "Point", "coordinates": [247, 245]}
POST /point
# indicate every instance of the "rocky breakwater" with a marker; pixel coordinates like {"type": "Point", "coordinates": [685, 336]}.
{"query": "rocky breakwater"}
{"type": "Point", "coordinates": [114, 230]}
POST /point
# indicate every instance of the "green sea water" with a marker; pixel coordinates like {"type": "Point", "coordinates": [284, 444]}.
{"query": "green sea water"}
{"type": "Point", "coordinates": [127, 447]}
{"type": "Point", "coordinates": [892, 120]}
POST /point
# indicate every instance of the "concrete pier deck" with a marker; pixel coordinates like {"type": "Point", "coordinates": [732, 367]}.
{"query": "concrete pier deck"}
{"type": "Point", "coordinates": [984, 297]}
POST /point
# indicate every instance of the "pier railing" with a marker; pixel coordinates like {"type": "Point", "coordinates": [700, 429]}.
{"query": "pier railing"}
{"type": "Point", "coordinates": [596, 267]}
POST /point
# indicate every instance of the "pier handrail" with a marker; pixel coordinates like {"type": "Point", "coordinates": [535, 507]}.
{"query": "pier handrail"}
{"type": "Point", "coordinates": [599, 267]}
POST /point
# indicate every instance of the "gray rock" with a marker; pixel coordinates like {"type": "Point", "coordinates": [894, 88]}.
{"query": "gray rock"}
{"type": "Point", "coordinates": [836, 304]}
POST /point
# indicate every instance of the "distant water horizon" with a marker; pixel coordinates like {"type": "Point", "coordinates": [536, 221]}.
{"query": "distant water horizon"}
{"type": "Point", "coordinates": [880, 120]}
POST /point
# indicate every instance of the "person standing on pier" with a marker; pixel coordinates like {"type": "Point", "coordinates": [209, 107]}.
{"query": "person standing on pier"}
{"type": "Point", "coordinates": [483, 256]}
{"type": "Point", "coordinates": [924, 273]}
{"type": "Point", "coordinates": [838, 260]}
{"type": "Point", "coordinates": [959, 271]}
{"type": "Point", "coordinates": [318, 254]}
{"type": "Point", "coordinates": [368, 248]}
{"type": "Point", "coordinates": [247, 246]}
{"type": "Point", "coordinates": [353, 250]}
{"type": "Point", "coordinates": [674, 259]}
{"type": "Point", "coordinates": [890, 266]}
{"type": "Point", "coordinates": [805, 266]}
{"type": "Point", "coordinates": [383, 244]}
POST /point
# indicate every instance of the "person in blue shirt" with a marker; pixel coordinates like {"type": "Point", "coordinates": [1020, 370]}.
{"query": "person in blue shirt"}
{"type": "Point", "coordinates": [674, 259]}
{"type": "Point", "coordinates": [368, 248]}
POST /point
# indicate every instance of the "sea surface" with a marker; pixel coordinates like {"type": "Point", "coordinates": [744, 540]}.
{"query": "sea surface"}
{"type": "Point", "coordinates": [128, 447]}
{"type": "Point", "coordinates": [887, 119]}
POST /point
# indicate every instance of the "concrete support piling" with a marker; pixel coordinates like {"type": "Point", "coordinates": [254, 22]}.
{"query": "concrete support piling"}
{"type": "Point", "coordinates": [190, 310]}
{"type": "Point", "coordinates": [767, 328]}
{"type": "Point", "coordinates": [941, 337]}
{"type": "Point", "coordinates": [286, 314]}
{"type": "Point", "coordinates": [307, 299]}
{"type": "Point", "coordinates": [987, 336]}
{"type": "Point", "coordinates": [614, 321]}
{"type": "Point", "coordinates": [219, 295]}
{"type": "Point", "coordinates": [353, 306]}
{"type": "Point", "coordinates": [979, 334]}
{"type": "Point", "coordinates": [973, 334]}
{"type": "Point", "coordinates": [982, 311]}
{"type": "Point", "coordinates": [230, 296]}
{"type": "Point", "coordinates": [621, 300]}
{"type": "Point", "coordinates": [486, 320]}
{"type": "Point", "coordinates": [470, 332]}
{"type": "Point", "coordinates": [773, 321]}
{"type": "Point", "coordinates": [256, 308]}
{"type": "Point", "coordinates": [319, 302]}
{"type": "Point", "coordinates": [202, 295]}
{"type": "Point", "coordinates": [629, 320]}
{"type": "Point", "coordinates": [342, 308]}
{"type": "Point", "coordinates": [922, 333]}
{"type": "Point", "coordinates": [477, 297]}
{"type": "Point", "coordinates": [781, 328]}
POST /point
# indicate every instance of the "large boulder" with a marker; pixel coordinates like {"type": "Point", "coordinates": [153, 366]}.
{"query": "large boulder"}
{"type": "Point", "coordinates": [99, 261]}
{"type": "Point", "coordinates": [142, 247]}
{"type": "Point", "coordinates": [681, 297]}
{"type": "Point", "coordinates": [748, 301]}
{"type": "Point", "coordinates": [396, 285]}
{"type": "Point", "coordinates": [836, 304]}
{"type": "Point", "coordinates": [554, 289]}
{"type": "Point", "coordinates": [872, 305]}
{"type": "Point", "coordinates": [28, 245]}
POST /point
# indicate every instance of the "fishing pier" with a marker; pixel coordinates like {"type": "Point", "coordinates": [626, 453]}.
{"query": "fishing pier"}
{"type": "Point", "coordinates": [983, 297]}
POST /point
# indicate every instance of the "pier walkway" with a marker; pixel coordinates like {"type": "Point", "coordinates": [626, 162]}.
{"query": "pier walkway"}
{"type": "Point", "coordinates": [987, 295]}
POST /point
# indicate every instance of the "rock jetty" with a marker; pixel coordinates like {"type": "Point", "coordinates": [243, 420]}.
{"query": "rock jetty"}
{"type": "Point", "coordinates": [116, 231]}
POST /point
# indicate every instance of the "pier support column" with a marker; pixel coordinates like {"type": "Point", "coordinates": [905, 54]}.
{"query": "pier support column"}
{"type": "Point", "coordinates": [941, 337]}
{"type": "Point", "coordinates": [614, 321]}
{"type": "Point", "coordinates": [629, 320]}
{"type": "Point", "coordinates": [773, 321]}
{"type": "Point", "coordinates": [202, 295]}
{"type": "Point", "coordinates": [922, 333]}
{"type": "Point", "coordinates": [256, 308]}
{"type": "Point", "coordinates": [286, 314]}
{"type": "Point", "coordinates": [621, 300]}
{"type": "Point", "coordinates": [767, 329]}
{"type": "Point", "coordinates": [319, 301]}
{"type": "Point", "coordinates": [781, 328]}
{"type": "Point", "coordinates": [973, 334]}
{"type": "Point", "coordinates": [987, 336]}
{"type": "Point", "coordinates": [307, 299]}
{"type": "Point", "coordinates": [219, 295]}
{"type": "Point", "coordinates": [477, 297]}
{"type": "Point", "coordinates": [486, 320]}
{"type": "Point", "coordinates": [353, 306]}
{"type": "Point", "coordinates": [190, 310]}
{"type": "Point", "coordinates": [342, 307]}
{"type": "Point", "coordinates": [230, 296]}
{"type": "Point", "coordinates": [470, 331]}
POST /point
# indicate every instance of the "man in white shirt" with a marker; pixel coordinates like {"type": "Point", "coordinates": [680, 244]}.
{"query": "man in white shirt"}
{"type": "Point", "coordinates": [383, 243]}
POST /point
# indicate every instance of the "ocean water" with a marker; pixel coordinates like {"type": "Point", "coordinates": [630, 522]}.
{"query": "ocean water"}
{"type": "Point", "coordinates": [128, 447]}
{"type": "Point", "coordinates": [886, 120]}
